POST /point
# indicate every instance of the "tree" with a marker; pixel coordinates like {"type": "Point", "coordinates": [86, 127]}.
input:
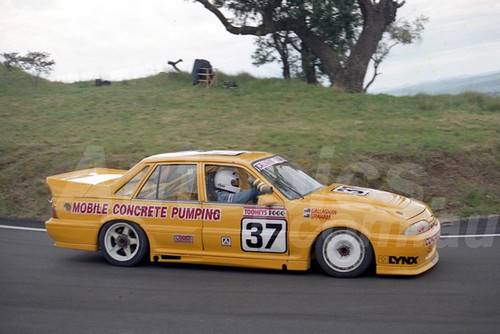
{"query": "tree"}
{"type": "Point", "coordinates": [290, 54]}
{"type": "Point", "coordinates": [343, 35]}
{"type": "Point", "coordinates": [401, 32]}
{"type": "Point", "coordinates": [35, 63]}
{"type": "Point", "coordinates": [296, 59]}
{"type": "Point", "coordinates": [283, 44]}
{"type": "Point", "coordinates": [11, 60]}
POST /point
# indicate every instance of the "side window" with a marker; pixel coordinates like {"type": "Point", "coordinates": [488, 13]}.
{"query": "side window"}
{"type": "Point", "coordinates": [211, 172]}
{"type": "Point", "coordinates": [171, 183]}
{"type": "Point", "coordinates": [150, 188]}
{"type": "Point", "coordinates": [128, 188]}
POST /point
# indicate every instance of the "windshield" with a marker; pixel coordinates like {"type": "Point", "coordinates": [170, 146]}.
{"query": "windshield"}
{"type": "Point", "coordinates": [290, 180]}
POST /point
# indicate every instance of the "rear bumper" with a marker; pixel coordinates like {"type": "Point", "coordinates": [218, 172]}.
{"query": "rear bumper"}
{"type": "Point", "coordinates": [74, 234]}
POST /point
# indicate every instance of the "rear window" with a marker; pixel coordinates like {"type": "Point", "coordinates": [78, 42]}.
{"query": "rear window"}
{"type": "Point", "coordinates": [128, 189]}
{"type": "Point", "coordinates": [171, 183]}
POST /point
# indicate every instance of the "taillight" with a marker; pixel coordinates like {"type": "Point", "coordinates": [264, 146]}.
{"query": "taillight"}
{"type": "Point", "coordinates": [53, 212]}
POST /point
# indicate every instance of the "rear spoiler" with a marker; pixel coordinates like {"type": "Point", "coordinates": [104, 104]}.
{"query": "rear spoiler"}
{"type": "Point", "coordinates": [77, 183]}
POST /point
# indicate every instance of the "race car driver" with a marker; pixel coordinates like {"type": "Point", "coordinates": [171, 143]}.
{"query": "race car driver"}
{"type": "Point", "coordinates": [227, 184]}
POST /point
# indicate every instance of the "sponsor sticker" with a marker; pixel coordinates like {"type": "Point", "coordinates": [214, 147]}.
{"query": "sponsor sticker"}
{"type": "Point", "coordinates": [383, 259]}
{"type": "Point", "coordinates": [184, 238]}
{"type": "Point", "coordinates": [146, 211]}
{"type": "Point", "coordinates": [432, 239]}
{"type": "Point", "coordinates": [195, 213]}
{"type": "Point", "coordinates": [226, 241]}
{"type": "Point", "coordinates": [264, 212]}
{"type": "Point", "coordinates": [319, 213]}
{"type": "Point", "coordinates": [90, 208]}
{"type": "Point", "coordinates": [139, 210]}
{"type": "Point", "coordinates": [401, 260]}
{"type": "Point", "coordinates": [263, 164]}
{"type": "Point", "coordinates": [131, 210]}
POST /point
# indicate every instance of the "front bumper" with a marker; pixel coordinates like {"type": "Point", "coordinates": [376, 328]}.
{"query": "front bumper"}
{"type": "Point", "coordinates": [407, 255]}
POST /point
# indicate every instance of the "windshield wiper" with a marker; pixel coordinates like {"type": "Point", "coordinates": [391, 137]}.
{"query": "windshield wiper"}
{"type": "Point", "coordinates": [288, 186]}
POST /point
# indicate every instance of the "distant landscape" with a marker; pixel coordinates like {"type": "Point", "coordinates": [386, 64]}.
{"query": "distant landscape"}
{"type": "Point", "coordinates": [488, 83]}
{"type": "Point", "coordinates": [441, 149]}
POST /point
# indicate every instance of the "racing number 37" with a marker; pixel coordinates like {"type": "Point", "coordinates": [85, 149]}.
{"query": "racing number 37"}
{"type": "Point", "coordinates": [263, 235]}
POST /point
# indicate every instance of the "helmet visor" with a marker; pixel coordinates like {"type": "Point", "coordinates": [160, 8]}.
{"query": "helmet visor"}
{"type": "Point", "coordinates": [235, 182]}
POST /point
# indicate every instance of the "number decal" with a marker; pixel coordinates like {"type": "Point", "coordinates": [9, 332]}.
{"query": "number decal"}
{"type": "Point", "coordinates": [257, 234]}
{"type": "Point", "coordinates": [277, 228]}
{"type": "Point", "coordinates": [263, 235]}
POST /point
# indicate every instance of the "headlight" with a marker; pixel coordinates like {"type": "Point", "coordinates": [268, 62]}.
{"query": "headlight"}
{"type": "Point", "coordinates": [417, 228]}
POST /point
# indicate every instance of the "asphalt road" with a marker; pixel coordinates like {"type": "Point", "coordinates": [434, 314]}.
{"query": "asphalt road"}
{"type": "Point", "coordinates": [44, 289]}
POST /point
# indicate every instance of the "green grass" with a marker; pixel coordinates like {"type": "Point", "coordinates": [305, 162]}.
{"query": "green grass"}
{"type": "Point", "coordinates": [53, 127]}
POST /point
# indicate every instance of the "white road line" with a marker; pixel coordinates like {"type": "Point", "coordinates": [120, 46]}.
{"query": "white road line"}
{"type": "Point", "coordinates": [469, 236]}
{"type": "Point", "coordinates": [23, 228]}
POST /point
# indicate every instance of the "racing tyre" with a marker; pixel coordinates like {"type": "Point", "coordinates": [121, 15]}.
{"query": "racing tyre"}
{"type": "Point", "coordinates": [123, 243]}
{"type": "Point", "coordinates": [343, 252]}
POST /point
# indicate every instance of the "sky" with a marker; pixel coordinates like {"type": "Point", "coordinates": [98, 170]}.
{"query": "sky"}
{"type": "Point", "coordinates": [126, 39]}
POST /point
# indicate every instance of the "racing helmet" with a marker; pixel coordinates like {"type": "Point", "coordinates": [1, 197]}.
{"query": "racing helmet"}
{"type": "Point", "coordinates": [227, 179]}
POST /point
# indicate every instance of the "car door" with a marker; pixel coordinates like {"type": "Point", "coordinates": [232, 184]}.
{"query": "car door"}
{"type": "Point", "coordinates": [174, 222]}
{"type": "Point", "coordinates": [243, 229]}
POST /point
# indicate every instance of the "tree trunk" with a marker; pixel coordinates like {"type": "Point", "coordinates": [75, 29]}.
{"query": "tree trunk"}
{"type": "Point", "coordinates": [350, 76]}
{"type": "Point", "coordinates": [376, 18]}
{"type": "Point", "coordinates": [281, 47]}
{"type": "Point", "coordinates": [308, 65]}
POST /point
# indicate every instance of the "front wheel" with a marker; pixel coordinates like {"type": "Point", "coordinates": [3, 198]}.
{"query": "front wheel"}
{"type": "Point", "coordinates": [123, 243]}
{"type": "Point", "coordinates": [343, 252]}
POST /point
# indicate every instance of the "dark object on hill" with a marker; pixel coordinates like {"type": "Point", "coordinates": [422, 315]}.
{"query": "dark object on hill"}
{"type": "Point", "coordinates": [100, 82]}
{"type": "Point", "coordinates": [174, 64]}
{"type": "Point", "coordinates": [230, 84]}
{"type": "Point", "coordinates": [201, 70]}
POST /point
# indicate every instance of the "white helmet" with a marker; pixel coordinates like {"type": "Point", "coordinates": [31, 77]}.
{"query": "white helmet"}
{"type": "Point", "coordinates": [227, 179]}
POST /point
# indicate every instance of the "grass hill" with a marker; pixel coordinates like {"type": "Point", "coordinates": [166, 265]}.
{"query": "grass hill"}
{"type": "Point", "coordinates": [441, 149]}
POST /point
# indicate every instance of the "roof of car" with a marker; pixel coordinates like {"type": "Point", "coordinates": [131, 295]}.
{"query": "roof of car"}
{"type": "Point", "coordinates": [213, 155]}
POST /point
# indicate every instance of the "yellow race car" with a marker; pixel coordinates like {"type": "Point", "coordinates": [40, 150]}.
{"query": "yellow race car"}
{"type": "Point", "coordinates": [239, 208]}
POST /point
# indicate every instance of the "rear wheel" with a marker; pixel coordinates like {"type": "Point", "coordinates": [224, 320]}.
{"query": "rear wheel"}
{"type": "Point", "coordinates": [123, 243]}
{"type": "Point", "coordinates": [343, 252]}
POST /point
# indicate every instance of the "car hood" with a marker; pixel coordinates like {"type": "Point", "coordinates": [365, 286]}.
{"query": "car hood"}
{"type": "Point", "coordinates": [369, 199]}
